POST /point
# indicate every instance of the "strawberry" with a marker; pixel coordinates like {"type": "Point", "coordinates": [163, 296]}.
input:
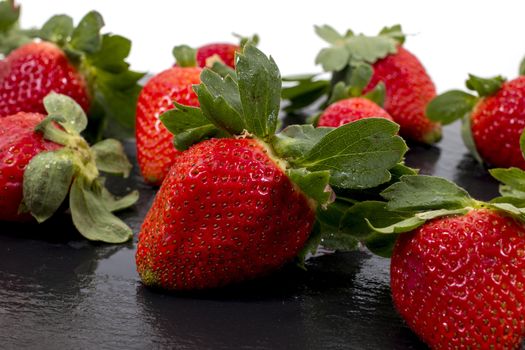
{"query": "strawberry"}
{"type": "Point", "coordinates": [493, 121]}
{"type": "Point", "coordinates": [408, 87]}
{"type": "Point", "coordinates": [458, 280]}
{"type": "Point", "coordinates": [44, 158]}
{"type": "Point", "coordinates": [155, 151]}
{"type": "Point", "coordinates": [77, 62]}
{"type": "Point", "coordinates": [350, 110]}
{"type": "Point", "coordinates": [19, 143]}
{"type": "Point", "coordinates": [457, 264]}
{"type": "Point", "coordinates": [240, 201]}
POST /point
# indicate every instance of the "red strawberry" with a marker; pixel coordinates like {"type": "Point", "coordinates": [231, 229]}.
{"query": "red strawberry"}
{"type": "Point", "coordinates": [231, 205]}
{"type": "Point", "coordinates": [350, 110]}
{"type": "Point", "coordinates": [31, 72]}
{"type": "Point", "coordinates": [225, 53]}
{"type": "Point", "coordinates": [496, 119]}
{"type": "Point", "coordinates": [408, 91]}
{"type": "Point", "coordinates": [243, 201]}
{"type": "Point", "coordinates": [19, 143]}
{"type": "Point", "coordinates": [43, 159]}
{"type": "Point", "coordinates": [458, 265]}
{"type": "Point", "coordinates": [459, 281]}
{"type": "Point", "coordinates": [155, 151]}
{"type": "Point", "coordinates": [77, 62]}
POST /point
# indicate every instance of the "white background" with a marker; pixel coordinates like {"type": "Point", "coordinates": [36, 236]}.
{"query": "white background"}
{"type": "Point", "coordinates": [452, 38]}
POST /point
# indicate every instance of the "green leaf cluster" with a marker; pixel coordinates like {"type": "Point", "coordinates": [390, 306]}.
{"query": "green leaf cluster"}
{"type": "Point", "coordinates": [75, 169]}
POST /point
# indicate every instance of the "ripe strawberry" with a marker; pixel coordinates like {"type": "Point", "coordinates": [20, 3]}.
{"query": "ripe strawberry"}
{"type": "Point", "coordinates": [408, 91]}
{"type": "Point", "coordinates": [77, 62]}
{"type": "Point", "coordinates": [155, 151]}
{"type": "Point", "coordinates": [457, 269]}
{"type": "Point", "coordinates": [33, 70]}
{"type": "Point", "coordinates": [243, 201]}
{"type": "Point", "coordinates": [350, 110]}
{"type": "Point", "coordinates": [408, 87]}
{"type": "Point", "coordinates": [208, 54]}
{"type": "Point", "coordinates": [232, 205]}
{"type": "Point", "coordinates": [44, 158]}
{"type": "Point", "coordinates": [495, 120]}
{"type": "Point", "coordinates": [458, 281]}
{"type": "Point", "coordinates": [19, 143]}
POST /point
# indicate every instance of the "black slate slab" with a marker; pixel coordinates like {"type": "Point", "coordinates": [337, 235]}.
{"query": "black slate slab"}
{"type": "Point", "coordinates": [58, 291]}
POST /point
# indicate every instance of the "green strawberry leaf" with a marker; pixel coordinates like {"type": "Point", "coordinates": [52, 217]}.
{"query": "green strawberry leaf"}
{"type": "Point", "coordinates": [361, 75]}
{"type": "Point", "coordinates": [92, 218]}
{"type": "Point", "coordinates": [86, 36]}
{"type": "Point", "coordinates": [74, 118]}
{"type": "Point", "coordinates": [113, 203]}
{"type": "Point", "coordinates": [417, 220]}
{"type": "Point", "coordinates": [513, 178]}
{"type": "Point", "coordinates": [395, 32]}
{"type": "Point", "coordinates": [468, 139]}
{"type": "Point", "coordinates": [339, 92]}
{"type": "Point", "coordinates": [296, 140]}
{"type": "Point", "coordinates": [355, 221]}
{"type": "Point", "coordinates": [299, 77]}
{"type": "Point", "coordinates": [224, 70]}
{"type": "Point", "coordinates": [47, 179]}
{"type": "Point", "coordinates": [112, 54]}
{"type": "Point", "coordinates": [333, 58]}
{"type": "Point", "coordinates": [380, 244]}
{"type": "Point", "coordinates": [111, 158]}
{"type": "Point", "coordinates": [9, 14]}
{"type": "Point", "coordinates": [244, 40]}
{"type": "Point", "coordinates": [314, 184]}
{"type": "Point", "coordinates": [185, 56]}
{"type": "Point", "coordinates": [220, 102]}
{"type": "Point", "coordinates": [57, 29]}
{"type": "Point", "coordinates": [450, 106]}
{"type": "Point", "coordinates": [311, 245]}
{"type": "Point", "coordinates": [260, 91]}
{"type": "Point", "coordinates": [357, 154]}
{"type": "Point", "coordinates": [421, 192]}
{"type": "Point", "coordinates": [304, 87]}
{"type": "Point", "coordinates": [189, 126]}
{"type": "Point", "coordinates": [484, 86]}
{"type": "Point", "coordinates": [509, 208]}
{"type": "Point", "coordinates": [377, 94]}
{"type": "Point", "coordinates": [370, 49]}
{"type": "Point", "coordinates": [328, 34]}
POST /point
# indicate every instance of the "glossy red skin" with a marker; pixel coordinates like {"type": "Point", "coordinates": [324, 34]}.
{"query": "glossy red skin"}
{"type": "Point", "coordinates": [31, 72]}
{"type": "Point", "coordinates": [349, 110]}
{"type": "Point", "coordinates": [19, 143]}
{"type": "Point", "coordinates": [408, 91]}
{"type": "Point", "coordinates": [225, 213]}
{"type": "Point", "coordinates": [155, 150]}
{"type": "Point", "coordinates": [450, 277]}
{"type": "Point", "coordinates": [497, 123]}
{"type": "Point", "coordinates": [226, 53]}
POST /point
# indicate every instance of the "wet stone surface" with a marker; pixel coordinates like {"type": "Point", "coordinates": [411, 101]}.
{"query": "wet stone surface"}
{"type": "Point", "coordinates": [58, 291]}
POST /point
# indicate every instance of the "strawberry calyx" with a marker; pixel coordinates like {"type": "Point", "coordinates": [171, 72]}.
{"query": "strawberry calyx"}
{"type": "Point", "coordinates": [415, 199]}
{"type": "Point", "coordinates": [75, 169]}
{"type": "Point", "coordinates": [322, 162]}
{"type": "Point", "coordinates": [101, 58]}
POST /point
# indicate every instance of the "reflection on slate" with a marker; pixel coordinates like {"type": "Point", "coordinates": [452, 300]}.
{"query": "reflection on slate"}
{"type": "Point", "coordinates": [58, 291]}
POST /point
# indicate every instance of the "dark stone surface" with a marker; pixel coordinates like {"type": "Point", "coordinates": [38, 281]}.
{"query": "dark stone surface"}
{"type": "Point", "coordinates": [58, 291]}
